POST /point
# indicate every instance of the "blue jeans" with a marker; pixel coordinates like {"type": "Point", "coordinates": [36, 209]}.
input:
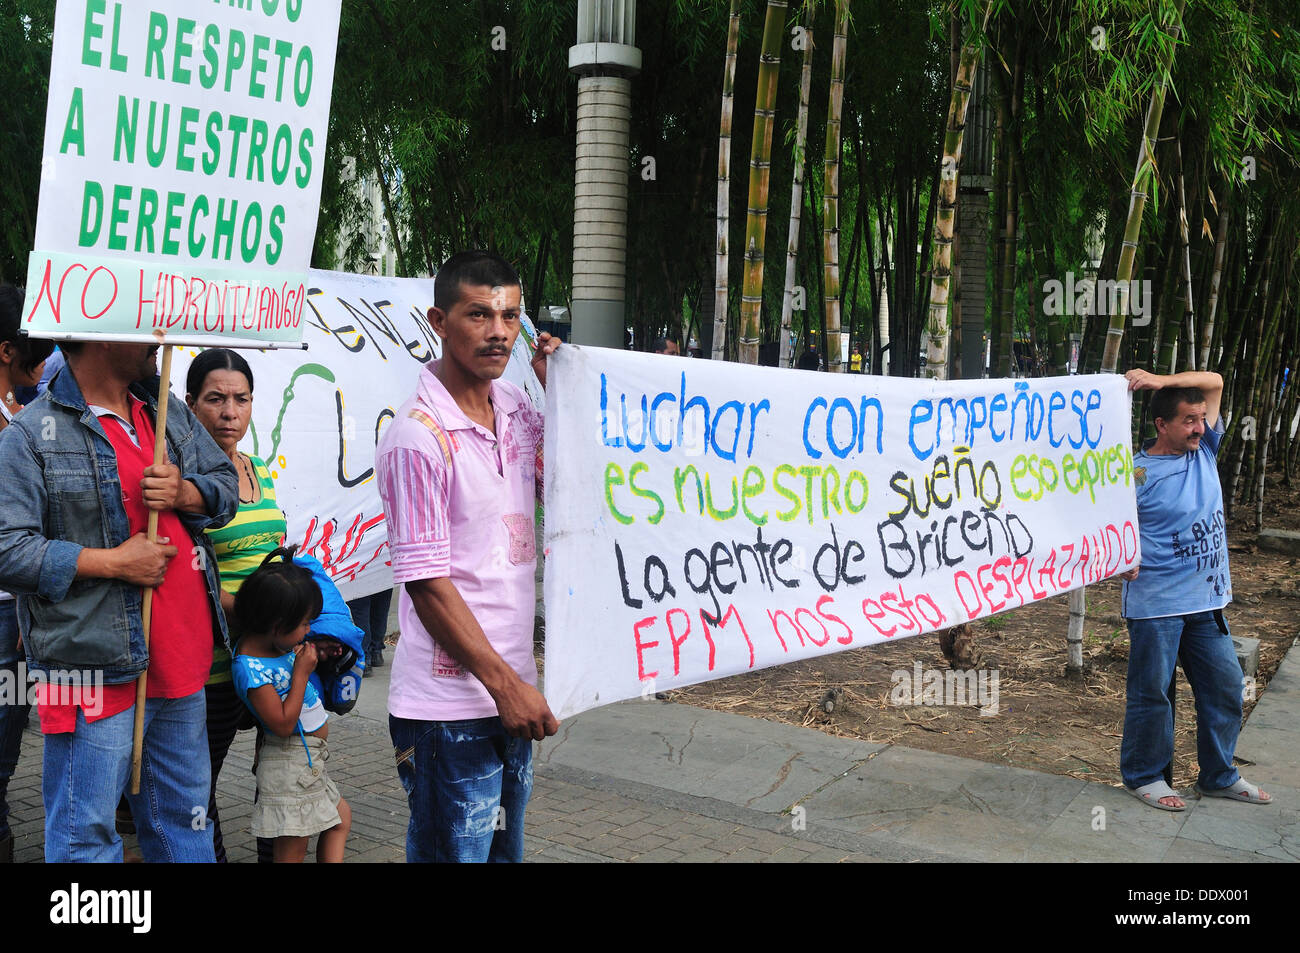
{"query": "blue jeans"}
{"type": "Point", "coordinates": [1214, 673]}
{"type": "Point", "coordinates": [87, 771]}
{"type": "Point", "coordinates": [467, 783]}
{"type": "Point", "coordinates": [370, 615]}
{"type": "Point", "coordinates": [13, 710]}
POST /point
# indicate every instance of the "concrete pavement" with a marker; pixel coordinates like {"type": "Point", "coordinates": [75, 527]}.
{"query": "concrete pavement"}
{"type": "Point", "coordinates": [658, 781]}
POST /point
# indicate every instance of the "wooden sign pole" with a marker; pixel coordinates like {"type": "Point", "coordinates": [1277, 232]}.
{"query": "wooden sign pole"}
{"type": "Point", "coordinates": [146, 610]}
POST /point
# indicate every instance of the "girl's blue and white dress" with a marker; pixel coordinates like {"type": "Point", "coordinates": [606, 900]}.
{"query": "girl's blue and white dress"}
{"type": "Point", "coordinates": [296, 797]}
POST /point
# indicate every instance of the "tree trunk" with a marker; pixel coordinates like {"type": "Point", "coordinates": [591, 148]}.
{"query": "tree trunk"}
{"type": "Point", "coordinates": [1189, 317]}
{"type": "Point", "coordinates": [1216, 277]}
{"type": "Point", "coordinates": [1265, 332]}
{"type": "Point", "coordinates": [831, 190]}
{"type": "Point", "coordinates": [937, 328]}
{"type": "Point", "coordinates": [1265, 437]}
{"type": "Point", "coordinates": [720, 277]}
{"type": "Point", "coordinates": [785, 348]}
{"type": "Point", "coordinates": [760, 169]}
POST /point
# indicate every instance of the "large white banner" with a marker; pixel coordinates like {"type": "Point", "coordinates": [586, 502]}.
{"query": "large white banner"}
{"type": "Point", "coordinates": [706, 519]}
{"type": "Point", "coordinates": [318, 414]}
{"type": "Point", "coordinates": [181, 175]}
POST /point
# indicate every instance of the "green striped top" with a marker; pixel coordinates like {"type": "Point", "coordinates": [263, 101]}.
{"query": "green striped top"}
{"type": "Point", "coordinates": [241, 545]}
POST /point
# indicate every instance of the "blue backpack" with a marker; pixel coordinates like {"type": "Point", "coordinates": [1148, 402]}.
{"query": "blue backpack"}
{"type": "Point", "coordinates": [337, 679]}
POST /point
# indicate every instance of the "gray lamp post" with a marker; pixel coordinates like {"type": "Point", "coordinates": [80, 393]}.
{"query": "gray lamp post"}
{"type": "Point", "coordinates": [605, 58]}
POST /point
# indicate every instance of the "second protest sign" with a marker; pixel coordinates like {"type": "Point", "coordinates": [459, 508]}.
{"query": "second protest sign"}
{"type": "Point", "coordinates": [708, 519]}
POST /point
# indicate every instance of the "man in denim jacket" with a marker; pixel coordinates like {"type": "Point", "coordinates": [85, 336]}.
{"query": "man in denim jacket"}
{"type": "Point", "coordinates": [76, 486]}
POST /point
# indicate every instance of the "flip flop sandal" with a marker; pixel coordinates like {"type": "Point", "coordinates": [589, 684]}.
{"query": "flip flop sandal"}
{"type": "Point", "coordinates": [1152, 793]}
{"type": "Point", "coordinates": [1242, 791]}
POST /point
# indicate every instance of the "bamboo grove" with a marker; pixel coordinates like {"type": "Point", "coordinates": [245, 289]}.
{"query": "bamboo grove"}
{"type": "Point", "coordinates": [470, 143]}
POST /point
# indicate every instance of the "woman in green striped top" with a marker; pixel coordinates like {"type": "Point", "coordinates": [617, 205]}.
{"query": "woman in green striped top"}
{"type": "Point", "coordinates": [219, 390]}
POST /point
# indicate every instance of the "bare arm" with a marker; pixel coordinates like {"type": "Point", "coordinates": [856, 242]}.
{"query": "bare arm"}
{"type": "Point", "coordinates": [280, 715]}
{"type": "Point", "coordinates": [443, 613]}
{"type": "Point", "coordinates": [1207, 382]}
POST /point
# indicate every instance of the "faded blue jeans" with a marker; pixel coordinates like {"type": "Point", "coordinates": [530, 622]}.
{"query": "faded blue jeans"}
{"type": "Point", "coordinates": [88, 770]}
{"type": "Point", "coordinates": [1212, 669]}
{"type": "Point", "coordinates": [467, 784]}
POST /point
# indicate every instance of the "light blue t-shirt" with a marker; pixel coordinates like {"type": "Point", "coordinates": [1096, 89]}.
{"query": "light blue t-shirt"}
{"type": "Point", "coordinates": [249, 672]}
{"type": "Point", "coordinates": [1184, 566]}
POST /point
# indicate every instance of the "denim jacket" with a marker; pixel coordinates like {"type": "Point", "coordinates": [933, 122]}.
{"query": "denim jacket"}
{"type": "Point", "coordinates": [60, 493]}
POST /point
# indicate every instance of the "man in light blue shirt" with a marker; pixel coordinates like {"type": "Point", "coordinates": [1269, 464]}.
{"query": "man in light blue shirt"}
{"type": "Point", "coordinates": [1174, 602]}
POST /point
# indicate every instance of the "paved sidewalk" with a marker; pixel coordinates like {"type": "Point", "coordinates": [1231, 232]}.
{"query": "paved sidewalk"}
{"type": "Point", "coordinates": [657, 781]}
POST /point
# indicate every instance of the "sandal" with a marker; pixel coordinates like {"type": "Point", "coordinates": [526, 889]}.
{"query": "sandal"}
{"type": "Point", "coordinates": [1243, 791]}
{"type": "Point", "coordinates": [1153, 792]}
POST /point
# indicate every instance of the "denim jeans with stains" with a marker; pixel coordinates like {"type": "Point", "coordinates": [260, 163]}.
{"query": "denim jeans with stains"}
{"type": "Point", "coordinates": [1202, 643]}
{"type": "Point", "coordinates": [467, 784]}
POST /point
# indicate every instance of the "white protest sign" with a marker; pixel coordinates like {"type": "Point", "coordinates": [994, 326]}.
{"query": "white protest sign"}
{"type": "Point", "coordinates": [181, 175]}
{"type": "Point", "coordinates": [708, 519]}
{"type": "Point", "coordinates": [318, 414]}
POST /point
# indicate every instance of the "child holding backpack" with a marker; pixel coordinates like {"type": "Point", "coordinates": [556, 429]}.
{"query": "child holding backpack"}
{"type": "Point", "coordinates": [273, 661]}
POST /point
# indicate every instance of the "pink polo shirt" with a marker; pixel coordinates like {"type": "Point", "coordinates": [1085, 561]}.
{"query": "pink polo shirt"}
{"type": "Point", "coordinates": [471, 522]}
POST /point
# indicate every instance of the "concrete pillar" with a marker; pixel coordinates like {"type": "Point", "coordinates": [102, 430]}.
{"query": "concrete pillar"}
{"type": "Point", "coordinates": [604, 58]}
{"type": "Point", "coordinates": [972, 290]}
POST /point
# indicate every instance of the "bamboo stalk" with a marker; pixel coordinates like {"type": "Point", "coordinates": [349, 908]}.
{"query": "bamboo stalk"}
{"type": "Point", "coordinates": [720, 272]}
{"type": "Point", "coordinates": [1216, 278]}
{"type": "Point", "coordinates": [1189, 317]}
{"type": "Point", "coordinates": [760, 168]}
{"type": "Point", "coordinates": [1266, 436]}
{"type": "Point", "coordinates": [938, 329]}
{"type": "Point", "coordinates": [1263, 332]}
{"type": "Point", "coordinates": [786, 350]}
{"type": "Point", "coordinates": [831, 190]}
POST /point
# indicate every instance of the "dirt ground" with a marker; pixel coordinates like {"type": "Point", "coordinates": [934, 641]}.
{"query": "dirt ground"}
{"type": "Point", "coordinates": [1046, 721]}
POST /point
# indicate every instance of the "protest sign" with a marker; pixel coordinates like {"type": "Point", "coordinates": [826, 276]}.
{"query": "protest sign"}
{"type": "Point", "coordinates": [181, 175]}
{"type": "Point", "coordinates": [708, 519]}
{"type": "Point", "coordinates": [317, 415]}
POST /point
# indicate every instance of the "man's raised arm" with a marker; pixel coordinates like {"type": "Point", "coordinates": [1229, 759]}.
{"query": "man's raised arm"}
{"type": "Point", "coordinates": [1207, 382]}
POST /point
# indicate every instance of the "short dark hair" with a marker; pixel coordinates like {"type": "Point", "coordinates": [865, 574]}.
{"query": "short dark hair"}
{"type": "Point", "coordinates": [660, 345]}
{"type": "Point", "coordinates": [477, 267]}
{"type": "Point", "coordinates": [277, 595]}
{"type": "Point", "coordinates": [31, 351]}
{"type": "Point", "coordinates": [215, 359]}
{"type": "Point", "coordinates": [1164, 402]}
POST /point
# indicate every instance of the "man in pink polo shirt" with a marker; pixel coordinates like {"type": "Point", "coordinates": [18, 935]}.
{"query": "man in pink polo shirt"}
{"type": "Point", "coordinates": [459, 470]}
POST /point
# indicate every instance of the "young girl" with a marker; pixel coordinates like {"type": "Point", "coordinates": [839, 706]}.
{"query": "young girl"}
{"type": "Point", "coordinates": [273, 611]}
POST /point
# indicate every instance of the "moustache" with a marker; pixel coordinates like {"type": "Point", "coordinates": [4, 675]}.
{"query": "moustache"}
{"type": "Point", "coordinates": [492, 349]}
